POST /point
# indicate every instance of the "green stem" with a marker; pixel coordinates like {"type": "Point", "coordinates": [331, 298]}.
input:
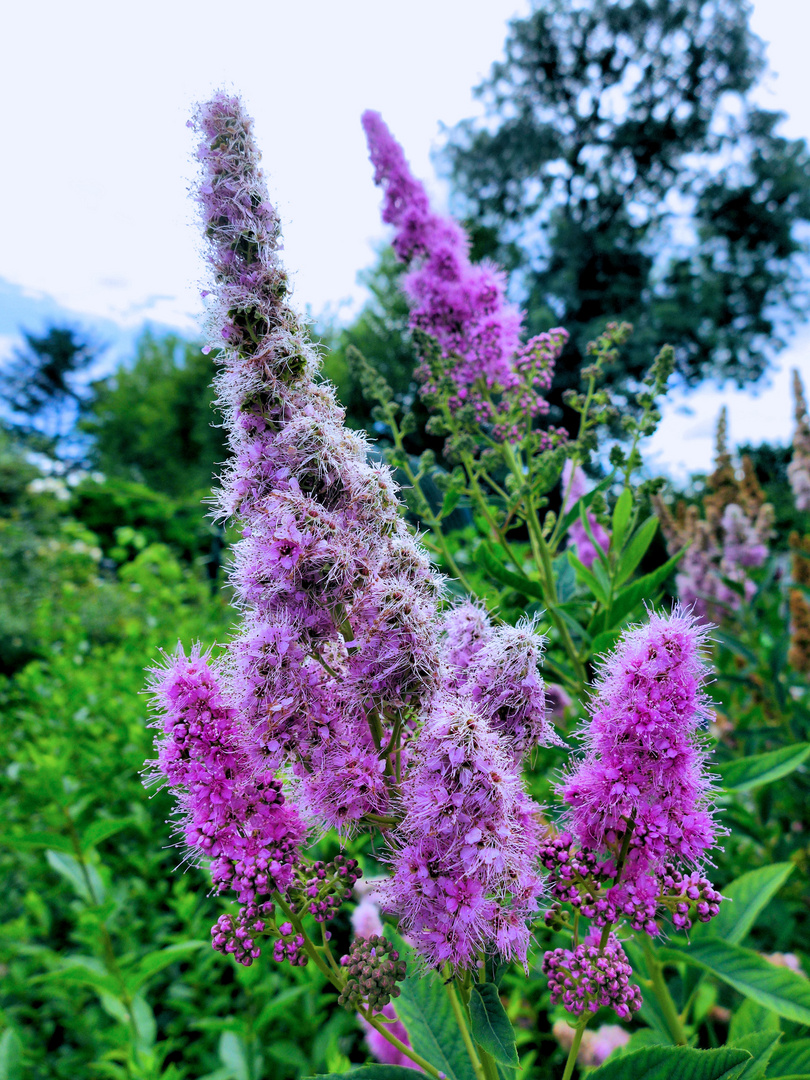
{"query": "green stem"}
{"type": "Point", "coordinates": [572, 1053]}
{"type": "Point", "coordinates": [662, 994]}
{"type": "Point", "coordinates": [542, 557]}
{"type": "Point", "coordinates": [431, 1070]}
{"type": "Point", "coordinates": [461, 1020]}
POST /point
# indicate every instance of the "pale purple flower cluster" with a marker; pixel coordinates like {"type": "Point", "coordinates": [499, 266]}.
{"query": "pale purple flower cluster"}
{"type": "Point", "coordinates": [591, 977]}
{"type": "Point", "coordinates": [465, 853]}
{"type": "Point", "coordinates": [340, 625]}
{"type": "Point", "coordinates": [574, 486]}
{"type": "Point", "coordinates": [717, 556]}
{"type": "Point", "coordinates": [460, 304]}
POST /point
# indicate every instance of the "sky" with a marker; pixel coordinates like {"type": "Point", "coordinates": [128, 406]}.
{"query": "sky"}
{"type": "Point", "coordinates": [98, 155]}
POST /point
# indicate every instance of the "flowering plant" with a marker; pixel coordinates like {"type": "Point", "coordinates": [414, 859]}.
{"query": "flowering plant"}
{"type": "Point", "coordinates": [364, 695]}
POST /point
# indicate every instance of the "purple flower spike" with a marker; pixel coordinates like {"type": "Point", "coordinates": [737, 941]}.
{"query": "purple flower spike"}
{"type": "Point", "coordinates": [644, 762]}
{"type": "Point", "coordinates": [460, 304]}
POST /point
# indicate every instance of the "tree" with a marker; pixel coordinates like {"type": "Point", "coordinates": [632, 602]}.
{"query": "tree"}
{"type": "Point", "coordinates": [624, 171]}
{"type": "Point", "coordinates": [41, 383]}
{"type": "Point", "coordinates": [153, 422]}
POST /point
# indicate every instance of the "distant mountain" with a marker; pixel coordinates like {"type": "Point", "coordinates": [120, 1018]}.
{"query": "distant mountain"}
{"type": "Point", "coordinates": [23, 309]}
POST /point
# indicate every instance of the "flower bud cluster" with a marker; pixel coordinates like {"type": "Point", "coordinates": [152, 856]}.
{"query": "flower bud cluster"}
{"type": "Point", "coordinates": [323, 886]}
{"type": "Point", "coordinates": [591, 977]}
{"type": "Point", "coordinates": [290, 946]}
{"type": "Point", "coordinates": [373, 969]}
{"type": "Point", "coordinates": [237, 936]}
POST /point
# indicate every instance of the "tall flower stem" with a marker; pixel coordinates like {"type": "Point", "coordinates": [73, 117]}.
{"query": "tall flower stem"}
{"type": "Point", "coordinates": [461, 1020]}
{"type": "Point", "coordinates": [572, 1053]}
{"type": "Point", "coordinates": [542, 557]}
{"type": "Point", "coordinates": [662, 994]}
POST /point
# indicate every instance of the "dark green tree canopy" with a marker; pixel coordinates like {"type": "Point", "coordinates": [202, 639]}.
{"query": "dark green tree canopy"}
{"type": "Point", "coordinates": [623, 172]}
{"type": "Point", "coordinates": [153, 422]}
{"type": "Point", "coordinates": [41, 385]}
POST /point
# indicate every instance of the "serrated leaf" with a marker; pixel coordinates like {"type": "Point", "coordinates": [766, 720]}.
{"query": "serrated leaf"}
{"type": "Point", "coordinates": [491, 1026]}
{"type": "Point", "coordinates": [424, 1008]}
{"type": "Point", "coordinates": [156, 961]}
{"type": "Point", "coordinates": [779, 989]}
{"type": "Point", "coordinates": [10, 1055]}
{"type": "Point", "coordinates": [790, 1059]}
{"type": "Point", "coordinates": [751, 1017]}
{"type": "Point", "coordinates": [745, 898]}
{"type": "Point", "coordinates": [83, 878]}
{"type": "Point", "coordinates": [636, 549]}
{"type": "Point", "coordinates": [102, 829]}
{"type": "Point", "coordinates": [760, 1045]}
{"type": "Point", "coordinates": [749, 772]}
{"type": "Point", "coordinates": [643, 589]}
{"type": "Point", "coordinates": [674, 1063]}
{"type": "Point", "coordinates": [621, 518]}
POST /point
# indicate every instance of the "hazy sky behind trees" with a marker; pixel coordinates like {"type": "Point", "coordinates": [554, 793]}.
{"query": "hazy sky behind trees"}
{"type": "Point", "coordinates": [97, 152]}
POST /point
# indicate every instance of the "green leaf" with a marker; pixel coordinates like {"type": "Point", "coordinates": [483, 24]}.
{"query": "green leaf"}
{"type": "Point", "coordinates": [86, 971]}
{"type": "Point", "coordinates": [760, 1046]}
{"type": "Point", "coordinates": [745, 773]}
{"type": "Point", "coordinates": [450, 502]}
{"type": "Point", "coordinates": [779, 989]}
{"type": "Point", "coordinates": [750, 1018]}
{"type": "Point", "coordinates": [636, 549]}
{"type": "Point", "coordinates": [571, 515]}
{"type": "Point", "coordinates": [621, 518]}
{"type": "Point", "coordinates": [156, 961]}
{"type": "Point", "coordinates": [674, 1063]}
{"type": "Point", "coordinates": [643, 589]}
{"type": "Point", "coordinates": [486, 559]}
{"type": "Point", "coordinates": [101, 829]}
{"type": "Point", "coordinates": [604, 642]}
{"type": "Point", "coordinates": [10, 1055]}
{"type": "Point", "coordinates": [745, 898]}
{"type": "Point", "coordinates": [586, 577]}
{"type": "Point", "coordinates": [491, 1026]}
{"type": "Point", "coordinates": [233, 1055]}
{"type": "Point", "coordinates": [83, 877]}
{"type": "Point", "coordinates": [424, 1008]}
{"type": "Point", "coordinates": [30, 841]}
{"type": "Point", "coordinates": [791, 1059]}
{"type": "Point", "coordinates": [601, 560]}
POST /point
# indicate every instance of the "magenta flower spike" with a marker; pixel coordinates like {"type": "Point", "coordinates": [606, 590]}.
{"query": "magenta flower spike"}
{"type": "Point", "coordinates": [644, 767]}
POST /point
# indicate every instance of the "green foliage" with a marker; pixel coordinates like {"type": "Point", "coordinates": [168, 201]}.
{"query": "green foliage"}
{"type": "Point", "coordinates": [490, 1025]}
{"type": "Point", "coordinates": [153, 421]}
{"type": "Point", "coordinates": [601, 176]}
{"type": "Point", "coordinates": [675, 1063]}
{"type": "Point", "coordinates": [425, 1010]}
